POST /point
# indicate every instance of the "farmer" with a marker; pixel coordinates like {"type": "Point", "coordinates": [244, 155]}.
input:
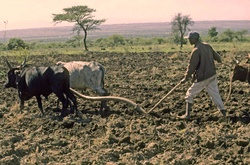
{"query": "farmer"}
{"type": "Point", "coordinates": [203, 72]}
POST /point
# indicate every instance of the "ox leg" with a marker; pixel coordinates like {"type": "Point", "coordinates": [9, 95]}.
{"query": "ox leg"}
{"type": "Point", "coordinates": [57, 103]}
{"type": "Point", "coordinates": [40, 106]}
{"type": "Point", "coordinates": [68, 103]}
{"type": "Point", "coordinates": [21, 104]}
{"type": "Point", "coordinates": [64, 103]}
{"type": "Point", "coordinates": [72, 97]}
{"type": "Point", "coordinates": [104, 105]}
{"type": "Point", "coordinates": [21, 101]}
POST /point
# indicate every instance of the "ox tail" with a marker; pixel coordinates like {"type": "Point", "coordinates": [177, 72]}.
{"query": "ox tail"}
{"type": "Point", "coordinates": [106, 98]}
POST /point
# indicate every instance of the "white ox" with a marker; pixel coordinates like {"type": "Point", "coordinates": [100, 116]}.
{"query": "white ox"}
{"type": "Point", "coordinates": [87, 75]}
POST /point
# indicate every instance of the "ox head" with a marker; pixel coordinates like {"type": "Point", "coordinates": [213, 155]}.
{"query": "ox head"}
{"type": "Point", "coordinates": [240, 72]}
{"type": "Point", "coordinates": [60, 63]}
{"type": "Point", "coordinates": [12, 75]}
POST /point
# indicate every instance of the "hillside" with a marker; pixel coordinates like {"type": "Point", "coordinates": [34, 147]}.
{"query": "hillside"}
{"type": "Point", "coordinates": [128, 30]}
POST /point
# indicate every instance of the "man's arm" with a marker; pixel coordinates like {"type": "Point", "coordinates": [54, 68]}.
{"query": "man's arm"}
{"type": "Point", "coordinates": [216, 56]}
{"type": "Point", "coordinates": [193, 64]}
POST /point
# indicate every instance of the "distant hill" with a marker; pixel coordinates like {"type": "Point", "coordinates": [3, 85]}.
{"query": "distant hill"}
{"type": "Point", "coordinates": [162, 29]}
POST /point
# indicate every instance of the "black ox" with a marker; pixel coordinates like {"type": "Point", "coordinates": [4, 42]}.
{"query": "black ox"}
{"type": "Point", "coordinates": [241, 72]}
{"type": "Point", "coordinates": [37, 81]}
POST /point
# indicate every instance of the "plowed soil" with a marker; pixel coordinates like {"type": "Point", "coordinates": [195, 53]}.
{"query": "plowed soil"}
{"type": "Point", "coordinates": [122, 135]}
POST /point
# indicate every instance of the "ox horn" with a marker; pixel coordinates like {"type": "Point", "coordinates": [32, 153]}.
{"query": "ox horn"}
{"type": "Point", "coordinates": [8, 63]}
{"type": "Point", "coordinates": [24, 62]}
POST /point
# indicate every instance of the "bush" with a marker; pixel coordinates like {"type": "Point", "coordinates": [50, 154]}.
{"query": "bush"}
{"type": "Point", "coordinates": [2, 46]}
{"type": "Point", "coordinates": [16, 44]}
{"type": "Point", "coordinates": [116, 40]}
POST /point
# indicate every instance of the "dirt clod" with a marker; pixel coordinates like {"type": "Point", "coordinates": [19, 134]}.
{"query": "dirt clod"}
{"type": "Point", "coordinates": [122, 135]}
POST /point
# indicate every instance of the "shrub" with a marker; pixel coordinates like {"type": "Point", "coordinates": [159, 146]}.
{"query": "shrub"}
{"type": "Point", "coordinates": [116, 40]}
{"type": "Point", "coordinates": [16, 44]}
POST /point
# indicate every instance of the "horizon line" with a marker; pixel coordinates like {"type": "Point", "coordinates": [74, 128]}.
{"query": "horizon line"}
{"type": "Point", "coordinates": [120, 24]}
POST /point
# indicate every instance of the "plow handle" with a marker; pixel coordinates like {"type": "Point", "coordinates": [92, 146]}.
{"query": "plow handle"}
{"type": "Point", "coordinates": [164, 97]}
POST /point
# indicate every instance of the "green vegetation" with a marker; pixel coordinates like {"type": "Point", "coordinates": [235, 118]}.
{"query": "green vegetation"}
{"type": "Point", "coordinates": [227, 40]}
{"type": "Point", "coordinates": [16, 44]}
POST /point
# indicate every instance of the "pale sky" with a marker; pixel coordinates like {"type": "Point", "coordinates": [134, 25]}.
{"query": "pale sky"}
{"type": "Point", "coordinates": [22, 14]}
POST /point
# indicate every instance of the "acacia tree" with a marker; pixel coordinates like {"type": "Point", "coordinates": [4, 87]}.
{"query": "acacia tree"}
{"type": "Point", "coordinates": [82, 17]}
{"type": "Point", "coordinates": [212, 32]}
{"type": "Point", "coordinates": [180, 25]}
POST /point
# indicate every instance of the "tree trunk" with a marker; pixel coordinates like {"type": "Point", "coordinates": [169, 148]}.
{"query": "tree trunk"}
{"type": "Point", "coordinates": [85, 39]}
{"type": "Point", "coordinates": [181, 40]}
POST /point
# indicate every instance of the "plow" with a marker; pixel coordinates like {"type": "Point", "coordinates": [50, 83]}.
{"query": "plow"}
{"type": "Point", "coordinates": [138, 108]}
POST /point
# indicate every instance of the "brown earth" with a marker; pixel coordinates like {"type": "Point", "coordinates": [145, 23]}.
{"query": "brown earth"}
{"type": "Point", "coordinates": [121, 135]}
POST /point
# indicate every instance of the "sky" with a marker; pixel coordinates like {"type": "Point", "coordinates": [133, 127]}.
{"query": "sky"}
{"type": "Point", "coordinates": [22, 14]}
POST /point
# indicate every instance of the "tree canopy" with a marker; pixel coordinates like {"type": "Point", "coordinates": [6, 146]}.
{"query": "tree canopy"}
{"type": "Point", "coordinates": [180, 25]}
{"type": "Point", "coordinates": [82, 17]}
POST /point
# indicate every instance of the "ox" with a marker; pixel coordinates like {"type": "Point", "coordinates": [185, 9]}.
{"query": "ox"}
{"type": "Point", "coordinates": [241, 72]}
{"type": "Point", "coordinates": [37, 81]}
{"type": "Point", "coordinates": [87, 75]}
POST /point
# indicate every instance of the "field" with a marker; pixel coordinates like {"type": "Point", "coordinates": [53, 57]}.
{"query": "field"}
{"type": "Point", "coordinates": [121, 135]}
